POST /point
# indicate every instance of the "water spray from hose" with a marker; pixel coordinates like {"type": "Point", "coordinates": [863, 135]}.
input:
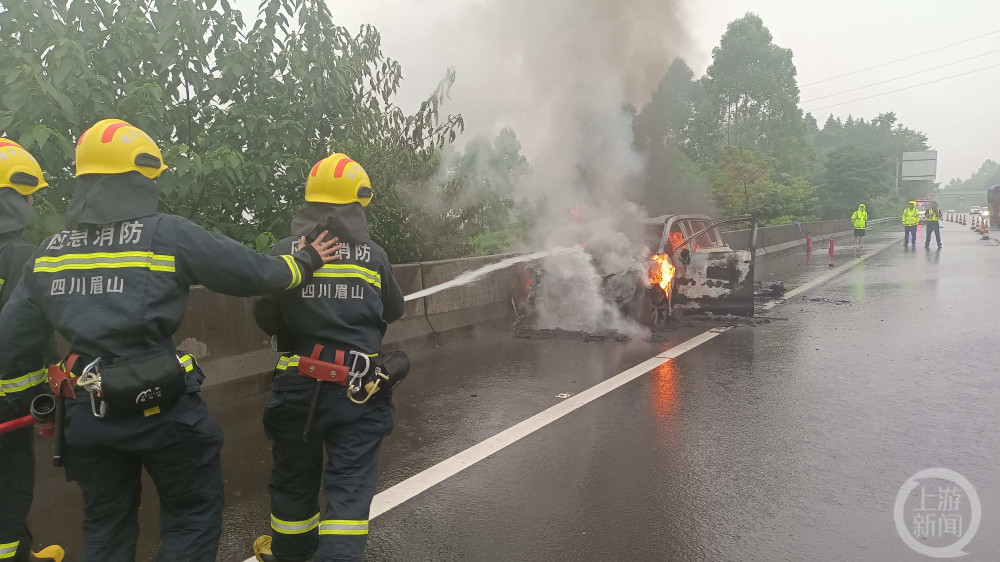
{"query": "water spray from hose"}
{"type": "Point", "coordinates": [477, 274]}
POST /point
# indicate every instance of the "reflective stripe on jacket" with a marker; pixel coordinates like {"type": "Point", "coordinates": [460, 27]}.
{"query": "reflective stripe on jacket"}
{"type": "Point", "coordinates": [121, 289]}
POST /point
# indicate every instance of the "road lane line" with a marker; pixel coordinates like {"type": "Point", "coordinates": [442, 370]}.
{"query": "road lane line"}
{"type": "Point", "coordinates": [393, 496]}
{"type": "Point", "coordinates": [420, 482]}
{"type": "Point", "coordinates": [826, 277]}
{"type": "Point", "coordinates": [447, 468]}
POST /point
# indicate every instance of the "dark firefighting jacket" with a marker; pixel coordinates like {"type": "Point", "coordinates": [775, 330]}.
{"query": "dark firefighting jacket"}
{"type": "Point", "coordinates": [349, 302]}
{"type": "Point", "coordinates": [121, 289]}
{"type": "Point", "coordinates": [14, 253]}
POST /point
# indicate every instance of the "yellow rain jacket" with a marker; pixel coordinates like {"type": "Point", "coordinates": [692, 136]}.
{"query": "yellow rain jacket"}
{"type": "Point", "coordinates": [860, 217]}
{"type": "Point", "coordinates": [911, 217]}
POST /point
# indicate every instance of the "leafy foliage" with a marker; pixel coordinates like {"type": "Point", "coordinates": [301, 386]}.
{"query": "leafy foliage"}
{"type": "Point", "coordinates": [470, 206]}
{"type": "Point", "coordinates": [740, 130]}
{"type": "Point", "coordinates": [665, 133]}
{"type": "Point", "coordinates": [747, 183]}
{"type": "Point", "coordinates": [241, 112]}
{"type": "Point", "coordinates": [985, 177]}
{"type": "Point", "coordinates": [853, 175]}
{"type": "Point", "coordinates": [752, 87]}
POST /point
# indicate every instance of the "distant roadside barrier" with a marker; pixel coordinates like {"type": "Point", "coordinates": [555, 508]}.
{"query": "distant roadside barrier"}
{"type": "Point", "coordinates": [220, 331]}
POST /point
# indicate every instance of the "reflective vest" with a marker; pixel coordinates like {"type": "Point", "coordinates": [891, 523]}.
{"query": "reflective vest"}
{"type": "Point", "coordinates": [933, 215]}
{"type": "Point", "coordinates": [860, 218]}
{"type": "Point", "coordinates": [911, 217]}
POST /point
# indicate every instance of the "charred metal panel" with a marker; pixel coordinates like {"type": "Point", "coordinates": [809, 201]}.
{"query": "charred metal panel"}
{"type": "Point", "coordinates": [720, 285]}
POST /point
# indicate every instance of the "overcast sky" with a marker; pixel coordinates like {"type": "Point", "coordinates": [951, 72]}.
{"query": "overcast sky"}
{"type": "Point", "coordinates": [961, 115]}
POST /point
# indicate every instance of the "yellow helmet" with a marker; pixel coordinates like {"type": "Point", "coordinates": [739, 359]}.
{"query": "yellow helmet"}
{"type": "Point", "coordinates": [18, 169]}
{"type": "Point", "coordinates": [339, 180]}
{"type": "Point", "coordinates": [112, 146]}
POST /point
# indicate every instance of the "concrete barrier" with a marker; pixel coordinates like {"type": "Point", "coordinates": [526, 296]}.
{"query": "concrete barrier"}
{"type": "Point", "coordinates": [414, 323]}
{"type": "Point", "coordinates": [236, 355]}
{"type": "Point", "coordinates": [220, 331]}
{"type": "Point", "coordinates": [776, 240]}
{"type": "Point", "coordinates": [470, 304]}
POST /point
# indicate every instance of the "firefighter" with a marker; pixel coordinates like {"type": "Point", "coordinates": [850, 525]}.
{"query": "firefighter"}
{"type": "Point", "coordinates": [859, 219]}
{"type": "Point", "coordinates": [20, 178]}
{"type": "Point", "coordinates": [324, 390]}
{"type": "Point", "coordinates": [933, 225]}
{"type": "Point", "coordinates": [115, 284]}
{"type": "Point", "coordinates": [911, 218]}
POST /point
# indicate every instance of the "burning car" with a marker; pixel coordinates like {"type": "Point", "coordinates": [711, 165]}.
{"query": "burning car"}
{"type": "Point", "coordinates": [709, 276]}
{"type": "Point", "coordinates": [690, 269]}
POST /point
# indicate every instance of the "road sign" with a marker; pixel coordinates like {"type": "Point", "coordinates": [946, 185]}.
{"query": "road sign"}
{"type": "Point", "coordinates": [919, 166]}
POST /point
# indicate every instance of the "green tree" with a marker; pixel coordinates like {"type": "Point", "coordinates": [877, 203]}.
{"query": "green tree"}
{"type": "Point", "coordinates": [985, 177]}
{"type": "Point", "coordinates": [673, 181]}
{"type": "Point", "coordinates": [747, 183]}
{"type": "Point", "coordinates": [242, 112]}
{"type": "Point", "coordinates": [751, 83]}
{"type": "Point", "coordinates": [852, 176]}
{"type": "Point", "coordinates": [671, 108]}
{"type": "Point", "coordinates": [470, 206]}
{"type": "Point", "coordinates": [873, 149]}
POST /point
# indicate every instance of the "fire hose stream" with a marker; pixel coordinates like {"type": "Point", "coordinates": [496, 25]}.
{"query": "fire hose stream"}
{"type": "Point", "coordinates": [477, 274]}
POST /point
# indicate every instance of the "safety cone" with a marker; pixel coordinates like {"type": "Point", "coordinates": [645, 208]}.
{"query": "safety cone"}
{"type": "Point", "coordinates": [986, 230]}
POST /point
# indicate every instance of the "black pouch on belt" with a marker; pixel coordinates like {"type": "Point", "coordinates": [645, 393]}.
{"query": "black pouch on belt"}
{"type": "Point", "coordinates": [143, 383]}
{"type": "Point", "coordinates": [393, 367]}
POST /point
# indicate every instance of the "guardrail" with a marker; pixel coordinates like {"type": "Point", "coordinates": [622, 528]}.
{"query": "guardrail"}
{"type": "Point", "coordinates": [888, 221]}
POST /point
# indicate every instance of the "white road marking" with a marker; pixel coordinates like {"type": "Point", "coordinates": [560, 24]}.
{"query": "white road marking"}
{"type": "Point", "coordinates": [825, 277]}
{"type": "Point", "coordinates": [407, 489]}
{"type": "Point", "coordinates": [447, 468]}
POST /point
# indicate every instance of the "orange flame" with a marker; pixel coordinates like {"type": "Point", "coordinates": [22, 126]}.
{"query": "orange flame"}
{"type": "Point", "coordinates": [662, 273]}
{"type": "Point", "coordinates": [675, 240]}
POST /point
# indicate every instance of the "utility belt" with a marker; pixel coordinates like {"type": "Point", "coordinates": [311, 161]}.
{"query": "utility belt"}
{"type": "Point", "coordinates": [149, 383]}
{"type": "Point", "coordinates": [339, 366]}
{"type": "Point", "coordinates": [365, 376]}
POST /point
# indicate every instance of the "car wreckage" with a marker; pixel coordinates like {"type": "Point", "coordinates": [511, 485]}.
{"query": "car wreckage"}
{"type": "Point", "coordinates": [690, 270]}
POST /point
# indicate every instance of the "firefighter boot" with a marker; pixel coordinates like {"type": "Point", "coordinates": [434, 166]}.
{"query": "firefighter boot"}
{"type": "Point", "coordinates": [52, 553]}
{"type": "Point", "coordinates": [262, 550]}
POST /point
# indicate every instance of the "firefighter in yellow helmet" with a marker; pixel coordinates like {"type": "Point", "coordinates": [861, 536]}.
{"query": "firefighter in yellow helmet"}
{"type": "Point", "coordinates": [332, 385]}
{"type": "Point", "coordinates": [20, 178]}
{"type": "Point", "coordinates": [115, 285]}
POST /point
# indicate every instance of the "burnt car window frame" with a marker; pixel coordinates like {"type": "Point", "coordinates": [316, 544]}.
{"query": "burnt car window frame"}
{"type": "Point", "coordinates": [680, 227]}
{"type": "Point", "coordinates": [692, 225]}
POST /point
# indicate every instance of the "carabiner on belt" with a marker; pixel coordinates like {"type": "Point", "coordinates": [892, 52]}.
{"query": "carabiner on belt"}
{"type": "Point", "coordinates": [356, 383]}
{"type": "Point", "coordinates": [356, 379]}
{"type": "Point", "coordinates": [90, 380]}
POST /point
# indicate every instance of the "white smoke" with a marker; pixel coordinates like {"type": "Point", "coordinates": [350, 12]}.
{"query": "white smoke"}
{"type": "Point", "coordinates": [563, 74]}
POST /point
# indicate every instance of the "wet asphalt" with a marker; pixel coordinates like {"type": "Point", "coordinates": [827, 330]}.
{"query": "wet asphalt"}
{"type": "Point", "coordinates": [786, 440]}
